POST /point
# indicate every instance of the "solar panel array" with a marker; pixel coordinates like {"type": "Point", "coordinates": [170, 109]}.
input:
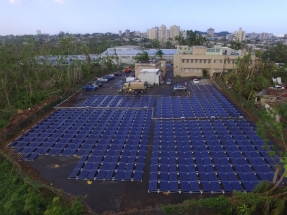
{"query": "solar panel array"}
{"type": "Point", "coordinates": [111, 143]}
{"type": "Point", "coordinates": [207, 156]}
{"type": "Point", "coordinates": [119, 101]}
{"type": "Point", "coordinates": [205, 101]}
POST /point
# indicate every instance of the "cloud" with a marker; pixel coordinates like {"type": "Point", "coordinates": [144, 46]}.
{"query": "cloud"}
{"type": "Point", "coordinates": [59, 1]}
{"type": "Point", "coordinates": [14, 1]}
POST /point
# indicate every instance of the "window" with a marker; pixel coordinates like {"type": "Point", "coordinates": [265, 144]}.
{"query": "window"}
{"type": "Point", "coordinates": [204, 61]}
{"type": "Point", "coordinates": [224, 61]}
{"type": "Point", "coordinates": [200, 61]}
{"type": "Point", "coordinates": [214, 61]}
{"type": "Point", "coordinates": [208, 61]}
{"type": "Point", "coordinates": [233, 62]}
{"type": "Point", "coordinates": [182, 60]}
{"type": "Point", "coordinates": [220, 61]}
{"type": "Point", "coordinates": [195, 61]}
{"type": "Point", "coordinates": [187, 61]}
{"type": "Point", "coordinates": [191, 61]}
{"type": "Point", "coordinates": [229, 62]}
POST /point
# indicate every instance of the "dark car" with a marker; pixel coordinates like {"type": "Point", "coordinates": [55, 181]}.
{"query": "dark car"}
{"type": "Point", "coordinates": [99, 83]}
{"type": "Point", "coordinates": [90, 87]}
{"type": "Point", "coordinates": [109, 77]}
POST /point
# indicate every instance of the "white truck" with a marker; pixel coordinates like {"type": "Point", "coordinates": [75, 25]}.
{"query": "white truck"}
{"type": "Point", "coordinates": [131, 79]}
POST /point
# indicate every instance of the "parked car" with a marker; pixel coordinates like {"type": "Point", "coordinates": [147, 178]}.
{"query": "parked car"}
{"type": "Point", "coordinates": [90, 87]}
{"type": "Point", "coordinates": [179, 87]}
{"type": "Point", "coordinates": [109, 77]}
{"type": "Point", "coordinates": [99, 83]}
{"type": "Point", "coordinates": [112, 75]}
{"type": "Point", "coordinates": [195, 81]}
{"type": "Point", "coordinates": [168, 81]}
{"type": "Point", "coordinates": [278, 87]}
{"type": "Point", "coordinates": [194, 77]}
{"type": "Point", "coordinates": [103, 79]}
{"type": "Point", "coordinates": [117, 73]}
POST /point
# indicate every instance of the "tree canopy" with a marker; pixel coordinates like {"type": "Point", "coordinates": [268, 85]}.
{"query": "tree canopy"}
{"type": "Point", "coordinates": [143, 56]}
{"type": "Point", "coordinates": [276, 53]}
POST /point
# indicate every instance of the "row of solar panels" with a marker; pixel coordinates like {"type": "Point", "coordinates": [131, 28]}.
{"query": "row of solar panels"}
{"type": "Point", "coordinates": [177, 155]}
{"type": "Point", "coordinates": [120, 101]}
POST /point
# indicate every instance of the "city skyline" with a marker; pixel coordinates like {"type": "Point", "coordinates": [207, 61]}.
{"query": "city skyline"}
{"type": "Point", "coordinates": [88, 16]}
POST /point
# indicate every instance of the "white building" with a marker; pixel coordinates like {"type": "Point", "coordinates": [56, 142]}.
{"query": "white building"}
{"type": "Point", "coordinates": [126, 54]}
{"type": "Point", "coordinates": [144, 35]}
{"type": "Point", "coordinates": [229, 37]}
{"type": "Point", "coordinates": [162, 34]}
{"type": "Point", "coordinates": [153, 33]}
{"type": "Point", "coordinates": [137, 34]}
{"type": "Point", "coordinates": [120, 33]}
{"type": "Point", "coordinates": [252, 35]}
{"type": "Point", "coordinates": [210, 32]}
{"type": "Point", "coordinates": [184, 33]}
{"type": "Point", "coordinates": [151, 76]}
{"type": "Point", "coordinates": [264, 36]}
{"type": "Point", "coordinates": [127, 33]}
{"type": "Point", "coordinates": [174, 31]}
{"type": "Point", "coordinates": [239, 35]}
{"type": "Point", "coordinates": [38, 32]}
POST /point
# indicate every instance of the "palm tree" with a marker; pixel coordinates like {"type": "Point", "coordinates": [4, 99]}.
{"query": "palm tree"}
{"type": "Point", "coordinates": [142, 57]}
{"type": "Point", "coordinates": [159, 53]}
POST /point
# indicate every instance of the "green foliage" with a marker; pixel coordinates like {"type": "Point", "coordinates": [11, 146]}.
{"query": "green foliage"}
{"type": "Point", "coordinates": [159, 53]}
{"type": "Point", "coordinates": [276, 53]}
{"type": "Point", "coordinates": [237, 45]}
{"type": "Point", "coordinates": [194, 38]}
{"type": "Point", "coordinates": [142, 57]}
{"type": "Point", "coordinates": [205, 73]}
{"type": "Point", "coordinates": [17, 196]}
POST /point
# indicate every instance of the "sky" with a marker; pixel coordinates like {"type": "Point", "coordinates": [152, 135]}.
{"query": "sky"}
{"type": "Point", "coordinates": [21, 17]}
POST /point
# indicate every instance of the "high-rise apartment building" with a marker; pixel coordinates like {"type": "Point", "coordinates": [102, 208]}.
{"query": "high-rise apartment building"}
{"type": "Point", "coordinates": [144, 35]}
{"type": "Point", "coordinates": [210, 32]}
{"type": "Point", "coordinates": [264, 36]}
{"type": "Point", "coordinates": [38, 32]}
{"type": "Point", "coordinates": [162, 34]}
{"type": "Point", "coordinates": [174, 31]}
{"type": "Point", "coordinates": [239, 35]}
{"type": "Point", "coordinates": [153, 33]}
{"type": "Point", "coordinates": [229, 37]}
{"type": "Point", "coordinates": [252, 35]}
{"type": "Point", "coordinates": [285, 35]}
{"type": "Point", "coordinates": [120, 33]}
{"type": "Point", "coordinates": [127, 33]}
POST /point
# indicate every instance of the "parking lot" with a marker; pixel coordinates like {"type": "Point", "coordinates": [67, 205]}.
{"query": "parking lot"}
{"type": "Point", "coordinates": [123, 192]}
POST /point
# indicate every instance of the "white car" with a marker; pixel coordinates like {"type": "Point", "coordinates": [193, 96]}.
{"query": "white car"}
{"type": "Point", "coordinates": [195, 81]}
{"type": "Point", "coordinates": [103, 79]}
{"type": "Point", "coordinates": [278, 87]}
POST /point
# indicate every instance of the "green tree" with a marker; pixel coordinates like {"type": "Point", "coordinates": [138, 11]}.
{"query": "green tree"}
{"type": "Point", "coordinates": [276, 53]}
{"type": "Point", "coordinates": [194, 38]}
{"type": "Point", "coordinates": [143, 56]}
{"type": "Point", "coordinates": [237, 45]}
{"type": "Point", "coordinates": [159, 53]}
